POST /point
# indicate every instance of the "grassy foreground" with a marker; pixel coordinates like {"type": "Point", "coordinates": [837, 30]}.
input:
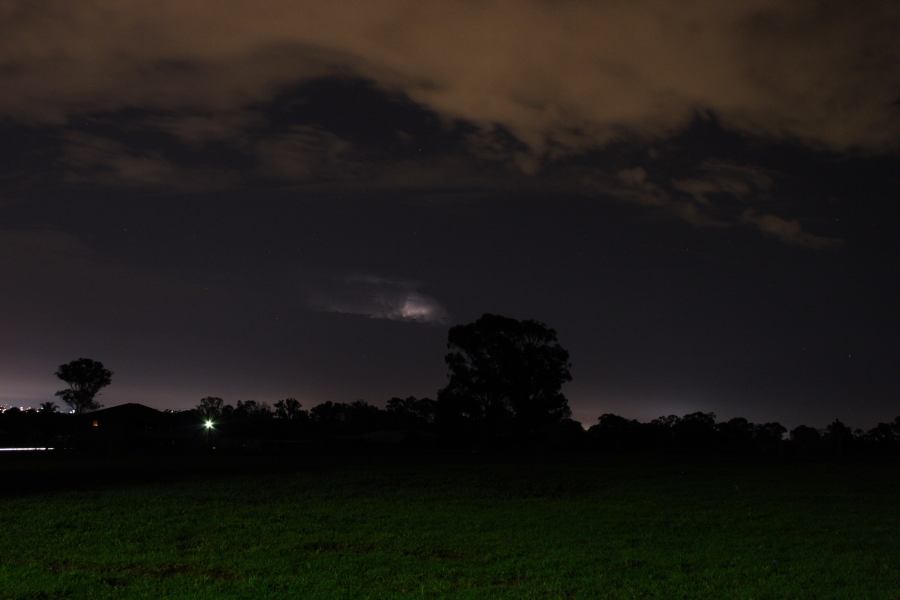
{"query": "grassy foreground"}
{"type": "Point", "coordinates": [604, 530]}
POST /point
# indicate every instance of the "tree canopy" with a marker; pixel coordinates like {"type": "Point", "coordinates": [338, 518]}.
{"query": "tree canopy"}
{"type": "Point", "coordinates": [504, 371]}
{"type": "Point", "coordinates": [86, 377]}
{"type": "Point", "coordinates": [210, 407]}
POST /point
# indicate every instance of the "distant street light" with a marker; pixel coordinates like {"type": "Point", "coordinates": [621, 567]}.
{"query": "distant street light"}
{"type": "Point", "coordinates": [208, 426]}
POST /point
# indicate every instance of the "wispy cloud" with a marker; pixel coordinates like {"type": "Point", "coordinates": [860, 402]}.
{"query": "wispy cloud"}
{"type": "Point", "coordinates": [720, 194]}
{"type": "Point", "coordinates": [788, 231]}
{"type": "Point", "coordinates": [101, 160]}
{"type": "Point", "coordinates": [205, 127]}
{"type": "Point", "coordinates": [634, 185]}
{"type": "Point", "coordinates": [723, 178]}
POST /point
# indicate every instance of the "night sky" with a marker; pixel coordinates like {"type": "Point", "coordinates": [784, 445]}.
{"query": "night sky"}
{"type": "Point", "coordinates": [258, 200]}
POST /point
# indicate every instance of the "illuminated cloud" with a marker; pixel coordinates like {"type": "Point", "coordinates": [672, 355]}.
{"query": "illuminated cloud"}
{"type": "Point", "coordinates": [379, 298]}
{"type": "Point", "coordinates": [559, 76]}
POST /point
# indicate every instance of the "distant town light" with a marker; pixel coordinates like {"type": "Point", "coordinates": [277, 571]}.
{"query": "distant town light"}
{"type": "Point", "coordinates": [208, 424]}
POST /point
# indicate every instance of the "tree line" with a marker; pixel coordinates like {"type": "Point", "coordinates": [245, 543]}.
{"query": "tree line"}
{"type": "Point", "coordinates": [693, 432]}
{"type": "Point", "coordinates": [504, 390]}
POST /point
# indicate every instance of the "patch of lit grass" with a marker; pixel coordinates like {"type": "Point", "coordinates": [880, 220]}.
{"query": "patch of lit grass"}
{"type": "Point", "coordinates": [619, 530]}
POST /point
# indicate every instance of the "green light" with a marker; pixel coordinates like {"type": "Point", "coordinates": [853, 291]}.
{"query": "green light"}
{"type": "Point", "coordinates": [208, 424]}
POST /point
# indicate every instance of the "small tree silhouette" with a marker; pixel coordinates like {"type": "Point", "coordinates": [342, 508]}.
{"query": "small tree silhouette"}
{"type": "Point", "coordinates": [48, 407]}
{"type": "Point", "coordinates": [251, 409]}
{"type": "Point", "coordinates": [288, 409]}
{"type": "Point", "coordinates": [86, 378]}
{"type": "Point", "coordinates": [210, 407]}
{"type": "Point", "coordinates": [411, 412]}
{"type": "Point", "coordinates": [839, 437]}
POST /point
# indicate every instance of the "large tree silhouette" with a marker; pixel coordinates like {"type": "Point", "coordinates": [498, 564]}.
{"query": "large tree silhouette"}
{"type": "Point", "coordinates": [504, 372]}
{"type": "Point", "coordinates": [86, 378]}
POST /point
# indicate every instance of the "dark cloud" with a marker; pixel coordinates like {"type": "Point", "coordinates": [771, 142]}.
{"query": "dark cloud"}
{"type": "Point", "coordinates": [559, 76]}
{"type": "Point", "coordinates": [304, 153]}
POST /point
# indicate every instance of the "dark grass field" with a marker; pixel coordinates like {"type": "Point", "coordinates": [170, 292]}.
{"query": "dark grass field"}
{"type": "Point", "coordinates": [607, 528]}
